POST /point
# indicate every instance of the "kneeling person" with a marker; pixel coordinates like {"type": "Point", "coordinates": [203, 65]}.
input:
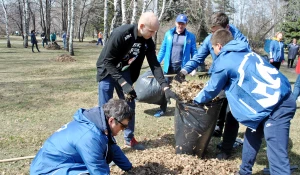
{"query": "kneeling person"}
{"type": "Point", "coordinates": [259, 96]}
{"type": "Point", "coordinates": [86, 144]}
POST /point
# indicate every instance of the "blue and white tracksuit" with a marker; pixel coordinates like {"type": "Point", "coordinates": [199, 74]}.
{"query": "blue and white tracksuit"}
{"type": "Point", "coordinates": [259, 97]}
{"type": "Point", "coordinates": [80, 146]}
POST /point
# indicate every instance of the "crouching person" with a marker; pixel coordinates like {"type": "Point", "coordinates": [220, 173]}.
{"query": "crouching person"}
{"type": "Point", "coordinates": [259, 96]}
{"type": "Point", "coordinates": [86, 145]}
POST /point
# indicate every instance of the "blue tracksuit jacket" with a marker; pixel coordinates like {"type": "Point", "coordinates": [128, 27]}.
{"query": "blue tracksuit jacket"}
{"type": "Point", "coordinates": [165, 51]}
{"type": "Point", "coordinates": [277, 50]}
{"type": "Point", "coordinates": [252, 85]}
{"type": "Point", "coordinates": [206, 49]}
{"type": "Point", "coordinates": [80, 146]}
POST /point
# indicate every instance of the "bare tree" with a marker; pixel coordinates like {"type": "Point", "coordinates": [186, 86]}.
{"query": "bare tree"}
{"type": "Point", "coordinates": [105, 32]}
{"type": "Point", "coordinates": [6, 23]}
{"type": "Point", "coordinates": [71, 50]}
{"type": "Point", "coordinates": [69, 24]}
{"type": "Point", "coordinates": [81, 19]}
{"type": "Point", "coordinates": [117, 14]}
{"type": "Point", "coordinates": [145, 2]}
{"type": "Point", "coordinates": [25, 22]}
{"type": "Point", "coordinates": [123, 5]}
{"type": "Point", "coordinates": [134, 10]}
{"type": "Point", "coordinates": [64, 14]}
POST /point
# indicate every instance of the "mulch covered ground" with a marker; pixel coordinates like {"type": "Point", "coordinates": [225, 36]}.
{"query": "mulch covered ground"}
{"type": "Point", "coordinates": [65, 58]}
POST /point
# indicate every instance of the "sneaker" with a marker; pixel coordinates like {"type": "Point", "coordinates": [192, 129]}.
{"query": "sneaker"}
{"type": "Point", "coordinates": [134, 144]}
{"type": "Point", "coordinates": [159, 113]}
{"type": "Point", "coordinates": [223, 156]}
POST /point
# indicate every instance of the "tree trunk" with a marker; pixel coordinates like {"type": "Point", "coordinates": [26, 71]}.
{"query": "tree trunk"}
{"type": "Point", "coordinates": [42, 18]}
{"type": "Point", "coordinates": [64, 14]}
{"type": "Point", "coordinates": [26, 23]}
{"type": "Point", "coordinates": [145, 3]}
{"type": "Point", "coordinates": [124, 19]}
{"type": "Point", "coordinates": [105, 32]}
{"type": "Point", "coordinates": [6, 23]}
{"type": "Point", "coordinates": [48, 18]}
{"type": "Point", "coordinates": [71, 50]}
{"type": "Point", "coordinates": [80, 20]}
{"type": "Point", "coordinates": [69, 23]}
{"type": "Point", "coordinates": [21, 27]}
{"type": "Point", "coordinates": [117, 12]}
{"type": "Point", "coordinates": [134, 10]}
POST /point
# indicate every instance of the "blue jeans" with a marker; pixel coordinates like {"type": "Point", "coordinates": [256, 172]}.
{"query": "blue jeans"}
{"type": "Point", "coordinates": [65, 43]}
{"type": "Point", "coordinates": [105, 92]}
{"type": "Point", "coordinates": [275, 129]}
{"type": "Point", "coordinates": [296, 91]}
{"type": "Point", "coordinates": [99, 41]}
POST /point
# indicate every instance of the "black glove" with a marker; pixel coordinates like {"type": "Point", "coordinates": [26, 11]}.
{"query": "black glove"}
{"type": "Point", "coordinates": [170, 94]}
{"type": "Point", "coordinates": [180, 77]}
{"type": "Point", "coordinates": [128, 91]}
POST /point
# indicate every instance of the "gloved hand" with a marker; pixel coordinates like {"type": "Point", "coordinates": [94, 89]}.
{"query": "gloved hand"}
{"type": "Point", "coordinates": [128, 91]}
{"type": "Point", "coordinates": [180, 77]}
{"type": "Point", "coordinates": [170, 94]}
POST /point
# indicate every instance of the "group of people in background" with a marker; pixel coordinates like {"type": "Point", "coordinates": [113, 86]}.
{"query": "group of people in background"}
{"type": "Point", "coordinates": [258, 95]}
{"type": "Point", "coordinates": [45, 39]}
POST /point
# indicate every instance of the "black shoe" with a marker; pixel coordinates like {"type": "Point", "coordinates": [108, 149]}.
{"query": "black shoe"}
{"type": "Point", "coordinates": [217, 133]}
{"type": "Point", "coordinates": [223, 156]}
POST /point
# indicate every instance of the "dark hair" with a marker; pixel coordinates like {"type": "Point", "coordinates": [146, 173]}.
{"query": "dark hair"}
{"type": "Point", "coordinates": [118, 109]}
{"type": "Point", "coordinates": [219, 19]}
{"type": "Point", "coordinates": [32, 31]}
{"type": "Point", "coordinates": [221, 36]}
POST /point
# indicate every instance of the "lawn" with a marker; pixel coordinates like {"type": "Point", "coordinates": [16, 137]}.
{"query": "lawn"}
{"type": "Point", "coordinates": [38, 95]}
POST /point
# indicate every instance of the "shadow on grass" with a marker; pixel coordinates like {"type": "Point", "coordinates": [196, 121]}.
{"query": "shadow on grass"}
{"type": "Point", "coordinates": [153, 168]}
{"type": "Point", "coordinates": [164, 140]}
{"type": "Point", "coordinates": [169, 113]}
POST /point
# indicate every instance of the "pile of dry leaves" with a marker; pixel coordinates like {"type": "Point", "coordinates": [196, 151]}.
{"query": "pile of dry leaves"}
{"type": "Point", "coordinates": [187, 90]}
{"type": "Point", "coordinates": [163, 160]}
{"type": "Point", "coordinates": [53, 46]}
{"type": "Point", "coordinates": [93, 41]}
{"type": "Point", "coordinates": [65, 58]}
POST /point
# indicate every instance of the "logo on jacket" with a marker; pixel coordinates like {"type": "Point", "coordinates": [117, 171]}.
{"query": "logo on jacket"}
{"type": "Point", "coordinates": [266, 81]}
{"type": "Point", "coordinates": [127, 36]}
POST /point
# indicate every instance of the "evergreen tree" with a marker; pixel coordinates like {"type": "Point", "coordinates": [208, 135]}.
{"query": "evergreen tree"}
{"type": "Point", "coordinates": [291, 24]}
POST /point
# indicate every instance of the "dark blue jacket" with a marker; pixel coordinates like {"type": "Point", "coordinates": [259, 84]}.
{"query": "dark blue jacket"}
{"type": "Point", "coordinates": [293, 50]}
{"type": "Point", "coordinates": [80, 146]}
{"type": "Point", "coordinates": [206, 48]}
{"type": "Point", "coordinates": [252, 85]}
{"type": "Point", "coordinates": [189, 49]}
{"type": "Point", "coordinates": [33, 38]}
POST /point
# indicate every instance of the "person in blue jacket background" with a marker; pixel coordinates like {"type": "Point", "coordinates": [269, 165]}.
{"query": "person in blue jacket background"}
{"type": "Point", "coordinates": [178, 46]}
{"type": "Point", "coordinates": [259, 96]}
{"type": "Point", "coordinates": [218, 20]}
{"type": "Point", "coordinates": [86, 144]}
{"type": "Point", "coordinates": [277, 50]}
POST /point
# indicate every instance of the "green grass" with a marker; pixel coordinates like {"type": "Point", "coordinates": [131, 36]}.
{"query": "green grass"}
{"type": "Point", "coordinates": [38, 95]}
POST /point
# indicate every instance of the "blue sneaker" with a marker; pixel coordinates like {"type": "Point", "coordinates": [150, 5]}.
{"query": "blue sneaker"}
{"type": "Point", "coordinates": [159, 113]}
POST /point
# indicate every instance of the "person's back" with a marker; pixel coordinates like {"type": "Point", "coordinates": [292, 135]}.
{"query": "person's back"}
{"type": "Point", "coordinates": [251, 78]}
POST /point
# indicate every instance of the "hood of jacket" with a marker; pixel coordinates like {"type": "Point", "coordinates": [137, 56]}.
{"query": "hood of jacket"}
{"type": "Point", "coordinates": [94, 116]}
{"type": "Point", "coordinates": [235, 46]}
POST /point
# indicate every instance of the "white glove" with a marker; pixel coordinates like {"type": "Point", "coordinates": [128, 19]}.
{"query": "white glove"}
{"type": "Point", "coordinates": [193, 72]}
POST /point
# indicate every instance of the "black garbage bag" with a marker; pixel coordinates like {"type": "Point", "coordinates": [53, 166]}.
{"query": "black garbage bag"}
{"type": "Point", "coordinates": [148, 90]}
{"type": "Point", "coordinates": [194, 126]}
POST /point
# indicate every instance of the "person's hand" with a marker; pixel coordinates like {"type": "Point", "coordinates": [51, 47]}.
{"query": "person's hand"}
{"type": "Point", "coordinates": [271, 60]}
{"type": "Point", "coordinates": [180, 77]}
{"type": "Point", "coordinates": [128, 91]}
{"type": "Point", "coordinates": [282, 61]}
{"type": "Point", "coordinates": [170, 94]}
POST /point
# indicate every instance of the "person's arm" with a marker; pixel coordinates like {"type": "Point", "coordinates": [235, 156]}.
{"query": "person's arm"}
{"type": "Point", "coordinates": [199, 57]}
{"type": "Point", "coordinates": [120, 159]}
{"type": "Point", "coordinates": [271, 51]}
{"type": "Point", "coordinates": [154, 64]}
{"type": "Point", "coordinates": [93, 151]}
{"type": "Point", "coordinates": [162, 49]}
{"type": "Point", "coordinates": [214, 86]}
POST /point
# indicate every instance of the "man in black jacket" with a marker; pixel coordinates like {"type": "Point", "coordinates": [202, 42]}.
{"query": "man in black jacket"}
{"type": "Point", "coordinates": [33, 41]}
{"type": "Point", "coordinates": [120, 62]}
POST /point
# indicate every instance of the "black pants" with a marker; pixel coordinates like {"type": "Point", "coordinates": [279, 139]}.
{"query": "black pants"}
{"type": "Point", "coordinates": [35, 46]}
{"type": "Point", "coordinates": [290, 62]}
{"type": "Point", "coordinates": [173, 69]}
{"type": "Point", "coordinates": [231, 128]}
{"type": "Point", "coordinates": [276, 64]}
